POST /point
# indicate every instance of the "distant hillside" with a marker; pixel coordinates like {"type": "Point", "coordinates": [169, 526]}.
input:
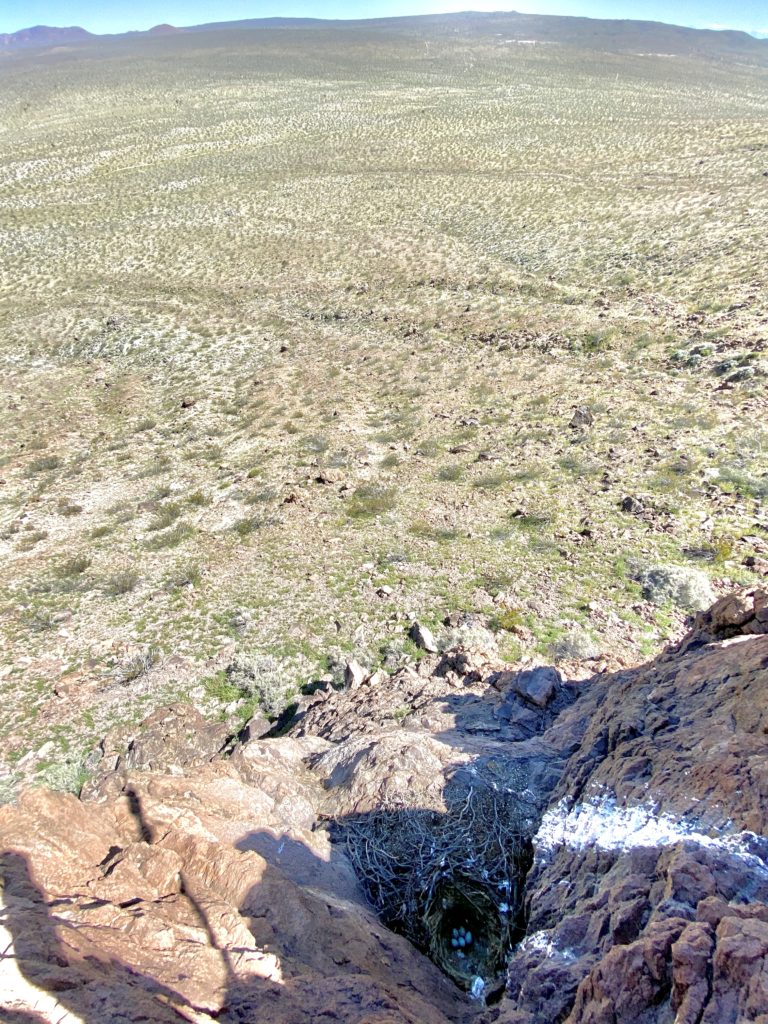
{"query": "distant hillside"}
{"type": "Point", "coordinates": [612, 36]}
{"type": "Point", "coordinates": [43, 36]}
{"type": "Point", "coordinates": [162, 30]}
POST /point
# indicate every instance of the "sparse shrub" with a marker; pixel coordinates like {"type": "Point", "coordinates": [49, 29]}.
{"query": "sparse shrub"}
{"type": "Point", "coordinates": [209, 453]}
{"type": "Point", "coordinates": [170, 538]}
{"type": "Point", "coordinates": [491, 481]}
{"type": "Point", "coordinates": [451, 472]}
{"type": "Point", "coordinates": [121, 582]}
{"type": "Point", "coordinates": [738, 481]}
{"type": "Point", "coordinates": [510, 620]}
{"type": "Point", "coordinates": [687, 588]}
{"type": "Point", "coordinates": [471, 634]}
{"type": "Point", "coordinates": [218, 688]}
{"type": "Point", "coordinates": [123, 513]}
{"type": "Point", "coordinates": [65, 774]}
{"type": "Point", "coordinates": [527, 473]}
{"type": "Point", "coordinates": [246, 526]}
{"type": "Point", "coordinates": [165, 516]}
{"type": "Point", "coordinates": [495, 582]}
{"type": "Point", "coordinates": [72, 567]}
{"type": "Point", "coordinates": [723, 548]}
{"type": "Point", "coordinates": [198, 499]}
{"type": "Point", "coordinates": [44, 464]}
{"type": "Point", "coordinates": [31, 538]}
{"type": "Point", "coordinates": [421, 528]}
{"type": "Point", "coordinates": [40, 620]}
{"type": "Point", "coordinates": [263, 677]}
{"type": "Point", "coordinates": [578, 467]}
{"type": "Point", "coordinates": [262, 497]}
{"type": "Point", "coordinates": [68, 509]}
{"type": "Point", "coordinates": [189, 574]}
{"type": "Point", "coordinates": [370, 500]}
{"type": "Point", "coordinates": [137, 666]}
{"type": "Point", "coordinates": [395, 653]}
{"type": "Point", "coordinates": [156, 466]}
{"type": "Point", "coordinates": [575, 644]}
{"type": "Point", "coordinates": [592, 341]}
{"type": "Point", "coordinates": [315, 443]}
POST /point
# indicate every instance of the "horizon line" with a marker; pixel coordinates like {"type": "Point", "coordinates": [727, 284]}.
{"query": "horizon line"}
{"type": "Point", "coordinates": [761, 35]}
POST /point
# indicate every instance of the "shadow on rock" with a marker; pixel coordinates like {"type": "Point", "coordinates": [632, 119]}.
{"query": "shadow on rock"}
{"type": "Point", "coordinates": [50, 972]}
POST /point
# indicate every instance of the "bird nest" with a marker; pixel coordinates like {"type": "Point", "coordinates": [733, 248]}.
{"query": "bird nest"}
{"type": "Point", "coordinates": [436, 876]}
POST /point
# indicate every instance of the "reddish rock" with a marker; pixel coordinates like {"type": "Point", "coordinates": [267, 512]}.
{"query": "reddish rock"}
{"type": "Point", "coordinates": [196, 879]}
{"type": "Point", "coordinates": [648, 898]}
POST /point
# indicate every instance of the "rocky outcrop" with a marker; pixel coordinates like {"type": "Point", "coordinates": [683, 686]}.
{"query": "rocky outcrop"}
{"type": "Point", "coordinates": [605, 838]}
{"type": "Point", "coordinates": [198, 897]}
{"type": "Point", "coordinates": [648, 896]}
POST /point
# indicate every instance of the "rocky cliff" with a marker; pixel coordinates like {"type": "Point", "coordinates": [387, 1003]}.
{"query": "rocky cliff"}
{"type": "Point", "coordinates": [458, 842]}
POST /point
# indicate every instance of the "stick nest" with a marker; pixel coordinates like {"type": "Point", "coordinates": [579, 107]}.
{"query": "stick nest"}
{"type": "Point", "coordinates": [428, 872]}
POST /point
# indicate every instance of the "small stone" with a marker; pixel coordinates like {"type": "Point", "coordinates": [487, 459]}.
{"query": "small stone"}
{"type": "Point", "coordinates": [632, 505]}
{"type": "Point", "coordinates": [756, 542]}
{"type": "Point", "coordinates": [582, 417]}
{"type": "Point", "coordinates": [328, 476]}
{"type": "Point", "coordinates": [354, 675]}
{"type": "Point", "coordinates": [538, 685]}
{"type": "Point", "coordinates": [422, 637]}
{"type": "Point", "coordinates": [255, 728]}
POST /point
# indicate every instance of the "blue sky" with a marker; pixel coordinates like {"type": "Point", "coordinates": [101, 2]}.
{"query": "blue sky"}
{"type": "Point", "coordinates": [101, 16]}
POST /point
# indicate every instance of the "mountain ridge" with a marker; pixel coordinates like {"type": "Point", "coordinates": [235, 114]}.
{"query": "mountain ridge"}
{"type": "Point", "coordinates": [589, 33]}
